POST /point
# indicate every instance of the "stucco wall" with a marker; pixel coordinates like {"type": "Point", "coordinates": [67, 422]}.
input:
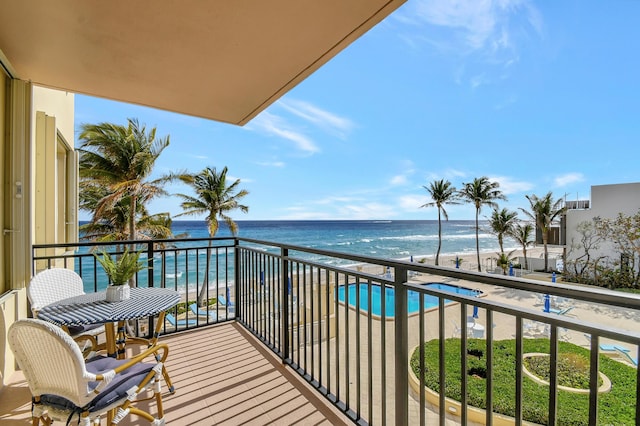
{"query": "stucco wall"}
{"type": "Point", "coordinates": [606, 202]}
{"type": "Point", "coordinates": [58, 104]}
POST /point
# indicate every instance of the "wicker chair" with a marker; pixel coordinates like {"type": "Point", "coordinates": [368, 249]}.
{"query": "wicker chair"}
{"type": "Point", "coordinates": [63, 385]}
{"type": "Point", "coordinates": [52, 285]}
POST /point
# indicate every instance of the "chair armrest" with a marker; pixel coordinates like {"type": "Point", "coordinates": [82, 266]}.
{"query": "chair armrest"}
{"type": "Point", "coordinates": [90, 345]}
{"type": "Point", "coordinates": [153, 350]}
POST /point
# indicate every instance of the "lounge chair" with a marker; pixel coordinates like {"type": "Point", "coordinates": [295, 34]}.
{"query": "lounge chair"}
{"type": "Point", "coordinates": [531, 327]}
{"type": "Point", "coordinates": [178, 323]}
{"type": "Point", "coordinates": [625, 353]}
{"type": "Point", "coordinates": [457, 331]}
{"type": "Point", "coordinates": [228, 304]}
{"type": "Point", "coordinates": [564, 311]}
{"type": "Point", "coordinates": [211, 315]}
{"type": "Point", "coordinates": [65, 386]}
{"type": "Point", "coordinates": [608, 347]}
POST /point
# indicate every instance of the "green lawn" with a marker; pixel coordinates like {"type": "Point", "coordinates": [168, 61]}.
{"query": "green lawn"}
{"type": "Point", "coordinates": [616, 407]}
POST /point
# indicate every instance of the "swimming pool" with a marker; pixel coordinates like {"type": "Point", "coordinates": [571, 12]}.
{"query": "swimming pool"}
{"type": "Point", "coordinates": [413, 302]}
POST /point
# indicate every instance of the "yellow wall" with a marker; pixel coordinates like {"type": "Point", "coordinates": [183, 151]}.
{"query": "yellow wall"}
{"type": "Point", "coordinates": [3, 131]}
{"type": "Point", "coordinates": [58, 104]}
{"type": "Point", "coordinates": [20, 104]}
{"type": "Point", "coordinates": [54, 170]}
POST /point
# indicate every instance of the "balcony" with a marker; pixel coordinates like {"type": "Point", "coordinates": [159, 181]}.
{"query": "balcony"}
{"type": "Point", "coordinates": [223, 376]}
{"type": "Point", "coordinates": [336, 341]}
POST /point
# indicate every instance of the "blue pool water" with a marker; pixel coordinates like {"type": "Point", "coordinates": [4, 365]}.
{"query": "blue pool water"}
{"type": "Point", "coordinates": [413, 302]}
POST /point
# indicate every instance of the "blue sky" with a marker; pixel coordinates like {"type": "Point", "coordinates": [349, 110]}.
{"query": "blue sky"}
{"type": "Point", "coordinates": [539, 96]}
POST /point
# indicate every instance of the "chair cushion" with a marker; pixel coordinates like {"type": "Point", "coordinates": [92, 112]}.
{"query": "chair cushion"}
{"type": "Point", "coordinates": [59, 403]}
{"type": "Point", "coordinates": [74, 330]}
{"type": "Point", "coordinates": [117, 389]}
{"type": "Point", "coordinates": [110, 394]}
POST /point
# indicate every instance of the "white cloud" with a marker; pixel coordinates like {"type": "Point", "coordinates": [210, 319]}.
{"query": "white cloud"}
{"type": "Point", "coordinates": [335, 199]}
{"type": "Point", "coordinates": [509, 186]}
{"type": "Point", "coordinates": [398, 180]}
{"type": "Point", "coordinates": [325, 120]}
{"type": "Point", "coordinates": [363, 211]}
{"type": "Point", "coordinates": [480, 24]}
{"type": "Point", "coordinates": [413, 202]}
{"type": "Point", "coordinates": [271, 163]}
{"type": "Point", "coordinates": [481, 33]}
{"type": "Point", "coordinates": [477, 81]}
{"type": "Point", "coordinates": [475, 18]}
{"type": "Point", "coordinates": [448, 174]}
{"type": "Point", "coordinates": [568, 178]}
{"type": "Point", "coordinates": [277, 126]}
{"type": "Point", "coordinates": [341, 210]}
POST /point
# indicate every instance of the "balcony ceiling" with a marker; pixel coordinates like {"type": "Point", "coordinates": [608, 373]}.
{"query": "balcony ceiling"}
{"type": "Point", "coordinates": [221, 60]}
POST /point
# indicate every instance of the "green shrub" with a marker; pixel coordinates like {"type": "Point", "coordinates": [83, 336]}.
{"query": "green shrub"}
{"type": "Point", "coordinates": [573, 369]}
{"type": "Point", "coordinates": [615, 407]}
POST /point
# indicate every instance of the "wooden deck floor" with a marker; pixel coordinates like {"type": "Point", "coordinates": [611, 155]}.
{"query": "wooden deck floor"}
{"type": "Point", "coordinates": [223, 376]}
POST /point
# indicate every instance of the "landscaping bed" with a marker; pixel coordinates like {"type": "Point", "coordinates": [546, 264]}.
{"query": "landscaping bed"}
{"type": "Point", "coordinates": [615, 407]}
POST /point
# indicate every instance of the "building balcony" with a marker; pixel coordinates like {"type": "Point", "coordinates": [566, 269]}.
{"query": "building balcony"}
{"type": "Point", "coordinates": [223, 375]}
{"type": "Point", "coordinates": [336, 343]}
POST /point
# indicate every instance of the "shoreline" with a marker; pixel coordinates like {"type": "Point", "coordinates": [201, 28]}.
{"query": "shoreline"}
{"type": "Point", "coordinates": [468, 260]}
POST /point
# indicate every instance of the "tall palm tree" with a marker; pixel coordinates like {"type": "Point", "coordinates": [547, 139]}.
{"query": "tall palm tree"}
{"type": "Point", "coordinates": [121, 159]}
{"type": "Point", "coordinates": [501, 222]}
{"type": "Point", "coordinates": [441, 192]}
{"type": "Point", "coordinates": [481, 192]}
{"type": "Point", "coordinates": [214, 199]}
{"type": "Point", "coordinates": [522, 234]}
{"type": "Point", "coordinates": [544, 212]}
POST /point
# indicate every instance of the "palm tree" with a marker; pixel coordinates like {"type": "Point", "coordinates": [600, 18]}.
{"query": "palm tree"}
{"type": "Point", "coordinates": [501, 223]}
{"type": "Point", "coordinates": [504, 260]}
{"type": "Point", "coordinates": [120, 159]}
{"type": "Point", "coordinates": [522, 234]}
{"type": "Point", "coordinates": [214, 199]}
{"type": "Point", "coordinates": [112, 224]}
{"type": "Point", "coordinates": [441, 192]}
{"type": "Point", "coordinates": [481, 192]}
{"type": "Point", "coordinates": [543, 212]}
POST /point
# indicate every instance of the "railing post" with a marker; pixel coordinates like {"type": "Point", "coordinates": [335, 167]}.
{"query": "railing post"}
{"type": "Point", "coordinates": [150, 281]}
{"type": "Point", "coordinates": [150, 270]}
{"type": "Point", "coordinates": [284, 303]}
{"type": "Point", "coordinates": [236, 278]}
{"type": "Point", "coordinates": [401, 349]}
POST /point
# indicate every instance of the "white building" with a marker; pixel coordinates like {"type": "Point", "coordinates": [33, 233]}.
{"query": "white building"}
{"type": "Point", "coordinates": [607, 201]}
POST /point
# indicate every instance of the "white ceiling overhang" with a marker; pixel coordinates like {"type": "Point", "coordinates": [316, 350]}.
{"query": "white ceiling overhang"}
{"type": "Point", "coordinates": [223, 60]}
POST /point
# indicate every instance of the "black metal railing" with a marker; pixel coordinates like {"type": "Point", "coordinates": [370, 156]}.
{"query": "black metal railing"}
{"type": "Point", "coordinates": [350, 327]}
{"type": "Point", "coordinates": [179, 264]}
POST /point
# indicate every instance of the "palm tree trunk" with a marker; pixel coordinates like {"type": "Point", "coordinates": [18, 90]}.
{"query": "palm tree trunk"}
{"type": "Point", "coordinates": [202, 296]}
{"type": "Point", "coordinates": [439, 237]}
{"type": "Point", "coordinates": [524, 253]}
{"type": "Point", "coordinates": [478, 240]}
{"type": "Point", "coordinates": [545, 238]}
{"type": "Point", "coordinates": [132, 233]}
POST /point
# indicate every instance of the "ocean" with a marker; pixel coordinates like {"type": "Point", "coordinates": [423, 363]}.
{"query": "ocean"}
{"type": "Point", "coordinates": [391, 239]}
{"type": "Point", "coordinates": [388, 239]}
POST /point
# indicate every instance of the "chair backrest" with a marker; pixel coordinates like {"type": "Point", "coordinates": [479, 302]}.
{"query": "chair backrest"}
{"type": "Point", "coordinates": [50, 360]}
{"type": "Point", "coordinates": [196, 310]}
{"type": "Point", "coordinates": [202, 312]}
{"type": "Point", "coordinates": [170, 319]}
{"type": "Point", "coordinates": [52, 285]}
